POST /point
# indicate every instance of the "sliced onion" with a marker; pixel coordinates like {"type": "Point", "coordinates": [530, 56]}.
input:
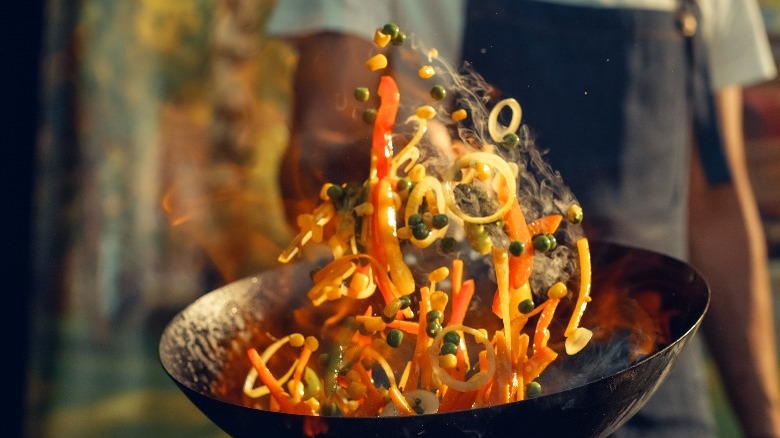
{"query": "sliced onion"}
{"type": "Point", "coordinates": [477, 380]}
{"type": "Point", "coordinates": [414, 202]}
{"type": "Point", "coordinates": [495, 162]}
{"type": "Point", "coordinates": [498, 131]}
{"type": "Point", "coordinates": [428, 402]}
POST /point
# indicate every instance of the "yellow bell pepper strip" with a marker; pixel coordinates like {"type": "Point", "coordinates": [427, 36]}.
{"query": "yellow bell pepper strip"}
{"type": "Point", "coordinates": [270, 381]}
{"type": "Point", "coordinates": [542, 333]}
{"type": "Point", "coordinates": [385, 231]}
{"type": "Point", "coordinates": [583, 298]}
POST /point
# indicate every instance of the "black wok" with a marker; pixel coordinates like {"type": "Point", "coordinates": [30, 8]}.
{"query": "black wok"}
{"type": "Point", "coordinates": [216, 329]}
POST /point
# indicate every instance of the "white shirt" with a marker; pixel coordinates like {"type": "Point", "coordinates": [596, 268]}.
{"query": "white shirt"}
{"type": "Point", "coordinates": [734, 29]}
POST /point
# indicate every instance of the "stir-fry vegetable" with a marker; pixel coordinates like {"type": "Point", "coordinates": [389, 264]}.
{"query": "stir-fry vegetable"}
{"type": "Point", "coordinates": [416, 350]}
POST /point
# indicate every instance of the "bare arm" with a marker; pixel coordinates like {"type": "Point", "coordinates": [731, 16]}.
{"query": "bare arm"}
{"type": "Point", "coordinates": [729, 248]}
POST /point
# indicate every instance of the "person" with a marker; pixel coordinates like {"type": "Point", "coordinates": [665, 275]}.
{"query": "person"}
{"type": "Point", "coordinates": [638, 104]}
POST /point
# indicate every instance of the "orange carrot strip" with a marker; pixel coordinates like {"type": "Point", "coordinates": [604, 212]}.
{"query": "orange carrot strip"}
{"type": "Point", "coordinates": [522, 357]}
{"type": "Point", "coordinates": [542, 333]}
{"type": "Point", "coordinates": [412, 327]}
{"type": "Point", "coordinates": [460, 303]}
{"type": "Point", "coordinates": [545, 224]}
{"type": "Point", "coordinates": [420, 349]}
{"type": "Point", "coordinates": [400, 401]}
{"type": "Point", "coordinates": [534, 366]}
{"type": "Point", "coordinates": [270, 381]}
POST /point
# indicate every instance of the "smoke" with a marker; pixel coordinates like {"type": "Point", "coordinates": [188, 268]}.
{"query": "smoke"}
{"type": "Point", "coordinates": [540, 189]}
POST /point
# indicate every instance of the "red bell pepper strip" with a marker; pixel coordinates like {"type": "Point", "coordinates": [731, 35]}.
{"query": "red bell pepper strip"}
{"type": "Point", "coordinates": [381, 156]}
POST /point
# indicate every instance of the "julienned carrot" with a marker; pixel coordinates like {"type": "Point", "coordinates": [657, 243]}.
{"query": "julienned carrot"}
{"type": "Point", "coordinates": [519, 266]}
{"type": "Point", "coordinates": [374, 399]}
{"type": "Point", "coordinates": [270, 381]}
{"type": "Point", "coordinates": [385, 220]}
{"type": "Point", "coordinates": [460, 304]}
{"type": "Point", "coordinates": [504, 383]}
{"type": "Point", "coordinates": [456, 278]}
{"type": "Point", "coordinates": [545, 224]}
{"type": "Point", "coordinates": [400, 401]}
{"type": "Point", "coordinates": [411, 327]}
{"type": "Point", "coordinates": [420, 350]}
{"type": "Point", "coordinates": [521, 357]}
{"type": "Point", "coordinates": [534, 366]}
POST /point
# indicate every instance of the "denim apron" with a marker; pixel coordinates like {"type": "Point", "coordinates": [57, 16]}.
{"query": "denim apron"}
{"type": "Point", "coordinates": [612, 96]}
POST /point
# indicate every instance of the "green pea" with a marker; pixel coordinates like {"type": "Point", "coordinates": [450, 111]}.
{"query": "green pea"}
{"type": "Point", "coordinates": [394, 338]}
{"type": "Point", "coordinates": [403, 184]}
{"type": "Point", "coordinates": [362, 94]}
{"type": "Point", "coordinates": [390, 29]}
{"type": "Point", "coordinates": [434, 316]}
{"type": "Point", "coordinates": [433, 329]}
{"type": "Point", "coordinates": [421, 231]}
{"type": "Point", "coordinates": [526, 305]}
{"type": "Point", "coordinates": [542, 242]}
{"type": "Point", "coordinates": [369, 116]}
{"type": "Point", "coordinates": [399, 39]}
{"type": "Point", "coordinates": [448, 244]}
{"type": "Point", "coordinates": [533, 389]}
{"type": "Point", "coordinates": [510, 140]}
{"type": "Point", "coordinates": [405, 302]}
{"type": "Point", "coordinates": [438, 92]}
{"type": "Point", "coordinates": [440, 221]}
{"type": "Point", "coordinates": [516, 248]}
{"type": "Point", "coordinates": [452, 338]}
{"type": "Point", "coordinates": [448, 348]}
{"type": "Point", "coordinates": [415, 219]}
{"type": "Point", "coordinates": [335, 192]}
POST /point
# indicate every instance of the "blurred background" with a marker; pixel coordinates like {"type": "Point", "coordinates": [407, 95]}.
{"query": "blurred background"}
{"type": "Point", "coordinates": [154, 130]}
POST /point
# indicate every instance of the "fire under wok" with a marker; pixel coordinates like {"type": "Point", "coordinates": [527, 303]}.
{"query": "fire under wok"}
{"type": "Point", "coordinates": [593, 393]}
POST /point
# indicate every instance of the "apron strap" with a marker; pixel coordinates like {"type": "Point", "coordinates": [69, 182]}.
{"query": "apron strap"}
{"type": "Point", "coordinates": [709, 139]}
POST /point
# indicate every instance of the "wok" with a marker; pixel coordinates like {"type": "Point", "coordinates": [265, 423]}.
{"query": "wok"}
{"type": "Point", "coordinates": [201, 340]}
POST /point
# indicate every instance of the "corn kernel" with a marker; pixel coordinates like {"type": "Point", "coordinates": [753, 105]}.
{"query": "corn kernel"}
{"type": "Point", "coordinates": [426, 112]}
{"type": "Point", "coordinates": [381, 39]}
{"type": "Point", "coordinates": [359, 283]}
{"type": "Point", "coordinates": [296, 340]}
{"type": "Point", "coordinates": [439, 300]}
{"type": "Point", "coordinates": [483, 170]}
{"type": "Point", "coordinates": [557, 291]}
{"type": "Point", "coordinates": [377, 62]}
{"type": "Point", "coordinates": [448, 361]}
{"type": "Point", "coordinates": [439, 274]}
{"type": "Point", "coordinates": [312, 343]}
{"type": "Point", "coordinates": [426, 72]}
{"type": "Point", "coordinates": [574, 214]}
{"type": "Point", "coordinates": [459, 115]}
